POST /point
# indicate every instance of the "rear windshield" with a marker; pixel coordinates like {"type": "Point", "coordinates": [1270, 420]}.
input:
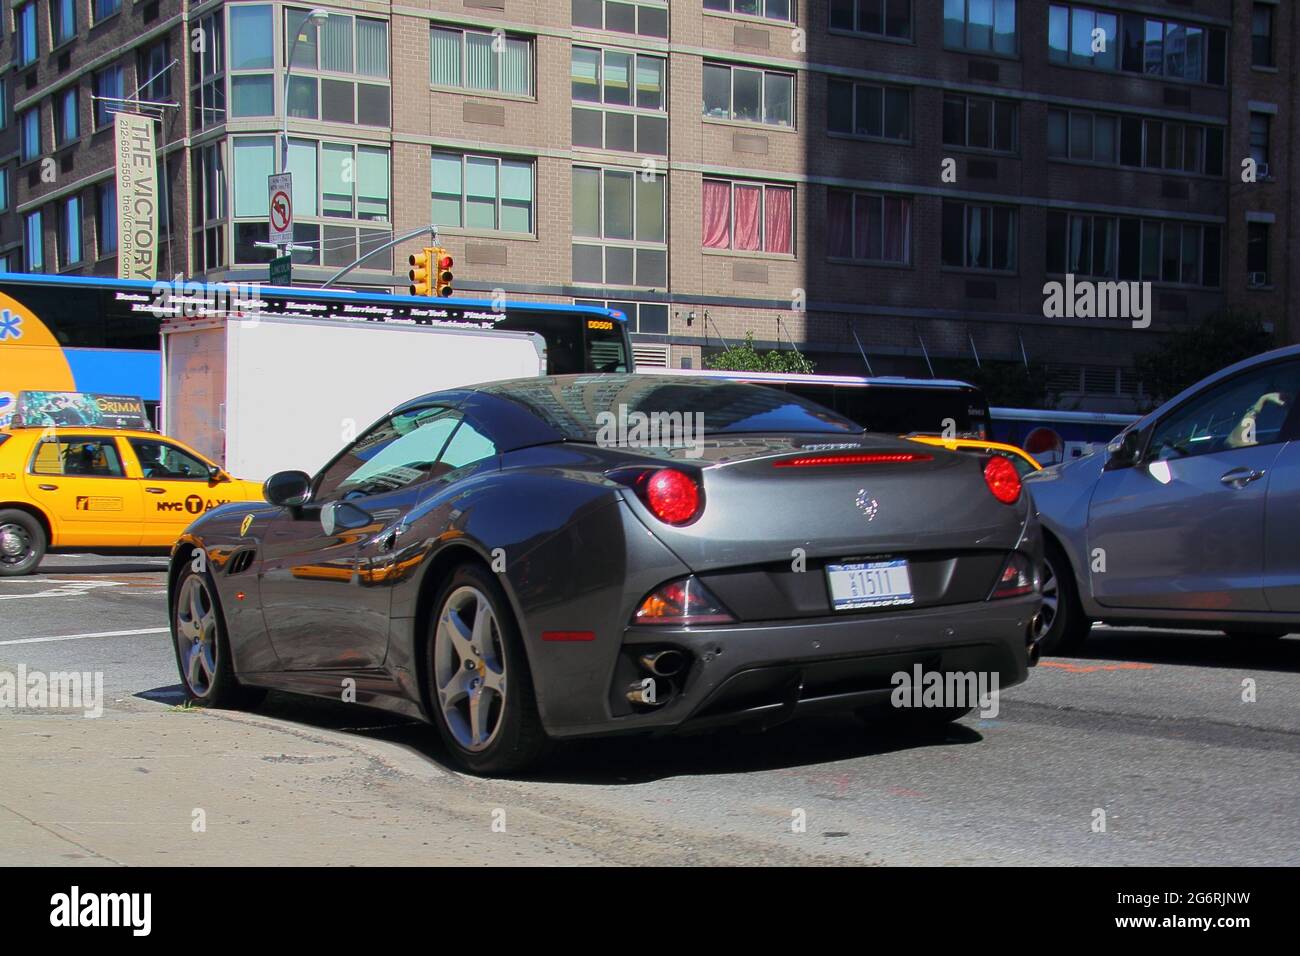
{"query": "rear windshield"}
{"type": "Point", "coordinates": [582, 408]}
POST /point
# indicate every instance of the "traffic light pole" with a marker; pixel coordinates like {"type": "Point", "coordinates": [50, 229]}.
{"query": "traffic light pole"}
{"type": "Point", "coordinates": [431, 229]}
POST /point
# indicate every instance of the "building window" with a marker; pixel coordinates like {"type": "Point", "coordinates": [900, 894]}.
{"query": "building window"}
{"type": "Point", "coordinates": [619, 227]}
{"type": "Point", "coordinates": [1260, 124]}
{"type": "Point", "coordinates": [4, 102]}
{"type": "Point", "coordinates": [209, 207]}
{"type": "Point", "coordinates": [977, 123]}
{"type": "Point", "coordinates": [1172, 252]}
{"type": "Point", "coordinates": [643, 19]}
{"type": "Point", "coordinates": [70, 232]}
{"type": "Point", "coordinates": [1090, 137]}
{"type": "Point", "coordinates": [208, 73]}
{"type": "Point", "coordinates": [631, 88]}
{"type": "Point", "coordinates": [482, 192]}
{"type": "Point", "coordinates": [108, 87]}
{"type": "Point", "coordinates": [4, 189]}
{"type": "Point", "coordinates": [884, 18]}
{"type": "Point", "coordinates": [63, 21]}
{"type": "Point", "coordinates": [34, 237]}
{"type": "Point", "coordinates": [340, 44]}
{"type": "Point", "coordinates": [252, 85]}
{"type": "Point", "coordinates": [106, 217]}
{"type": "Point", "coordinates": [979, 237]}
{"type": "Point", "coordinates": [868, 227]}
{"type": "Point", "coordinates": [866, 109]}
{"type": "Point", "coordinates": [104, 9]}
{"type": "Point", "coordinates": [1261, 35]}
{"type": "Point", "coordinates": [25, 28]}
{"type": "Point", "coordinates": [767, 9]}
{"type": "Point", "coordinates": [1257, 254]}
{"type": "Point", "coordinates": [987, 26]}
{"type": "Point", "coordinates": [29, 135]}
{"type": "Point", "coordinates": [153, 71]}
{"type": "Point", "coordinates": [746, 216]}
{"type": "Point", "coordinates": [1134, 141]}
{"type": "Point", "coordinates": [1081, 244]}
{"type": "Point", "coordinates": [1072, 38]}
{"type": "Point", "coordinates": [67, 117]}
{"type": "Point", "coordinates": [467, 60]}
{"type": "Point", "coordinates": [754, 96]}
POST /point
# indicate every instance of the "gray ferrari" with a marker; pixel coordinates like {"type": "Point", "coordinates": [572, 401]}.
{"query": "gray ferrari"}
{"type": "Point", "coordinates": [528, 561]}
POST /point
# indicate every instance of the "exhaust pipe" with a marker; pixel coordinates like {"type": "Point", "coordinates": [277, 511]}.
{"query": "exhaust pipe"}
{"type": "Point", "coordinates": [1031, 642]}
{"type": "Point", "coordinates": [650, 692]}
{"type": "Point", "coordinates": [663, 663]}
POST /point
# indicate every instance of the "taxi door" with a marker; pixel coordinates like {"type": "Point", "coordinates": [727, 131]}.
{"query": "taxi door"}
{"type": "Point", "coordinates": [175, 485]}
{"type": "Point", "coordinates": [80, 482]}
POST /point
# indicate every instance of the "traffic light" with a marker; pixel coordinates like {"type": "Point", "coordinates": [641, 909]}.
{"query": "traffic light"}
{"type": "Point", "coordinates": [421, 273]}
{"type": "Point", "coordinates": [442, 278]}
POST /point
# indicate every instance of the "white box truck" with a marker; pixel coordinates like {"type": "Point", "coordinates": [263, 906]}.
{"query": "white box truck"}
{"type": "Point", "coordinates": [270, 393]}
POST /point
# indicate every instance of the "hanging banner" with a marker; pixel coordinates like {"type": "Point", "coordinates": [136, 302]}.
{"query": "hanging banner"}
{"type": "Point", "coordinates": [137, 197]}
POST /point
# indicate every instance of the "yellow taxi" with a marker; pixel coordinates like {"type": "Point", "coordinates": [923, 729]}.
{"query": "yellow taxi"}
{"type": "Point", "coordinates": [1024, 462]}
{"type": "Point", "coordinates": [102, 489]}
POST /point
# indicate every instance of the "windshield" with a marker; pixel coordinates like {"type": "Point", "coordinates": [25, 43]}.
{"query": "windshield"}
{"type": "Point", "coordinates": [575, 342]}
{"type": "Point", "coordinates": [582, 407]}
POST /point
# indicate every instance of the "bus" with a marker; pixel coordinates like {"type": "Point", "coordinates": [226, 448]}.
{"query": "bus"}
{"type": "Point", "coordinates": [1053, 436]}
{"type": "Point", "coordinates": [101, 334]}
{"type": "Point", "coordinates": [893, 404]}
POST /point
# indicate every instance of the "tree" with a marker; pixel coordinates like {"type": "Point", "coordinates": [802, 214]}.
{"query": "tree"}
{"type": "Point", "coordinates": [1187, 356]}
{"type": "Point", "coordinates": [745, 358]}
{"type": "Point", "coordinates": [1008, 384]}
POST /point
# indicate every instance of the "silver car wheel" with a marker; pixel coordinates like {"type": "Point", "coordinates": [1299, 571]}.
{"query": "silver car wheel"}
{"type": "Point", "coordinates": [1051, 602]}
{"type": "Point", "coordinates": [469, 668]}
{"type": "Point", "coordinates": [15, 544]}
{"type": "Point", "coordinates": [196, 635]}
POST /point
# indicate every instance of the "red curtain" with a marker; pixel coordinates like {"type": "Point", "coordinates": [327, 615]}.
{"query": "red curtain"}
{"type": "Point", "coordinates": [779, 219]}
{"type": "Point", "coordinates": [717, 214]}
{"type": "Point", "coordinates": [748, 227]}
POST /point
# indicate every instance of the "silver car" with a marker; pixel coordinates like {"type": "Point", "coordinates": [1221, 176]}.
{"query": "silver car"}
{"type": "Point", "coordinates": [1190, 518]}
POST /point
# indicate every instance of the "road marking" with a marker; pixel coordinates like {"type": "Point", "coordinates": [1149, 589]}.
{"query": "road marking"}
{"type": "Point", "coordinates": [1092, 668]}
{"type": "Point", "coordinates": [81, 637]}
{"type": "Point", "coordinates": [69, 588]}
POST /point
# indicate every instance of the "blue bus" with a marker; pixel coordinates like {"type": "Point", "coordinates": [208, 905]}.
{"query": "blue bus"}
{"type": "Point", "coordinates": [101, 334]}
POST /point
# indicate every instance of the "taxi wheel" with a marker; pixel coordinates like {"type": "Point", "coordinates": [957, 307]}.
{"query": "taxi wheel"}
{"type": "Point", "coordinates": [22, 543]}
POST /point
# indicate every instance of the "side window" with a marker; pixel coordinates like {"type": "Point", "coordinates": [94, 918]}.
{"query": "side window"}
{"type": "Point", "coordinates": [1243, 412]}
{"type": "Point", "coordinates": [401, 450]}
{"type": "Point", "coordinates": [92, 457]}
{"type": "Point", "coordinates": [467, 447]}
{"type": "Point", "coordinates": [160, 459]}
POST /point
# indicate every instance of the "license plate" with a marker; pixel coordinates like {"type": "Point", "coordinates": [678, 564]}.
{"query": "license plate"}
{"type": "Point", "coordinates": [869, 584]}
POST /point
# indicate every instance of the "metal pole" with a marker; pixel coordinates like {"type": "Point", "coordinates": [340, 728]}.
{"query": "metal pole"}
{"type": "Point", "coordinates": [431, 229]}
{"type": "Point", "coordinates": [315, 15]}
{"type": "Point", "coordinates": [861, 350]}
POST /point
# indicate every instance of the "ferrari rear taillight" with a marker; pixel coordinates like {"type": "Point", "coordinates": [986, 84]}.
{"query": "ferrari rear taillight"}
{"type": "Point", "coordinates": [681, 603]}
{"type": "Point", "coordinates": [869, 458]}
{"type": "Point", "coordinates": [1017, 578]}
{"type": "Point", "coordinates": [1001, 477]}
{"type": "Point", "coordinates": [672, 495]}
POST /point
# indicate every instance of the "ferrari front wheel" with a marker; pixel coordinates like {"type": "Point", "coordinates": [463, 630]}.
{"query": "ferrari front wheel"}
{"type": "Point", "coordinates": [202, 645]}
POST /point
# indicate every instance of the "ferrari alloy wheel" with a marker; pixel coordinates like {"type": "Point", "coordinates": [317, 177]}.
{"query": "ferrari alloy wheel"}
{"type": "Point", "coordinates": [202, 645]}
{"type": "Point", "coordinates": [197, 646]}
{"type": "Point", "coordinates": [470, 668]}
{"type": "Point", "coordinates": [22, 543]}
{"type": "Point", "coordinates": [480, 686]}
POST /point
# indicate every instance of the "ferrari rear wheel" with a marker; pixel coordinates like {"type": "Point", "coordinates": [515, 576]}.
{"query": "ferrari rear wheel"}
{"type": "Point", "coordinates": [480, 687]}
{"type": "Point", "coordinates": [22, 543]}
{"type": "Point", "coordinates": [203, 647]}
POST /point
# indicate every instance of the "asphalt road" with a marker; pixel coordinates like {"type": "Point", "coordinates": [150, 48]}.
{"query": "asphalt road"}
{"type": "Point", "coordinates": [1148, 726]}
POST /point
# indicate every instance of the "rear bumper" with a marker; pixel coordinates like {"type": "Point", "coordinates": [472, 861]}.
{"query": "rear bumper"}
{"type": "Point", "coordinates": [769, 673]}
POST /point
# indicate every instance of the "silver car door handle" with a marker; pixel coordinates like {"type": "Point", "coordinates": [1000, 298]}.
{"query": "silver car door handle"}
{"type": "Point", "coordinates": [1240, 477]}
{"type": "Point", "coordinates": [387, 539]}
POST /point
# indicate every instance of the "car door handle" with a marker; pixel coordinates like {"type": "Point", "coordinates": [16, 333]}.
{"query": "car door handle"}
{"type": "Point", "coordinates": [1240, 477]}
{"type": "Point", "coordinates": [156, 491]}
{"type": "Point", "coordinates": [387, 539]}
{"type": "Point", "coordinates": [48, 487]}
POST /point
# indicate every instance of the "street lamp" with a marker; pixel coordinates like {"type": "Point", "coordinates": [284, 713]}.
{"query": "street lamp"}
{"type": "Point", "coordinates": [316, 16]}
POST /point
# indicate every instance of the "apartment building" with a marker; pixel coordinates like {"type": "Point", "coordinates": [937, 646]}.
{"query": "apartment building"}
{"type": "Point", "coordinates": [887, 184]}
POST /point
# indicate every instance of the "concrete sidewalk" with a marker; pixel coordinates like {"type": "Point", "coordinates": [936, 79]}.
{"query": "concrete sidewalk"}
{"type": "Point", "coordinates": [127, 788]}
